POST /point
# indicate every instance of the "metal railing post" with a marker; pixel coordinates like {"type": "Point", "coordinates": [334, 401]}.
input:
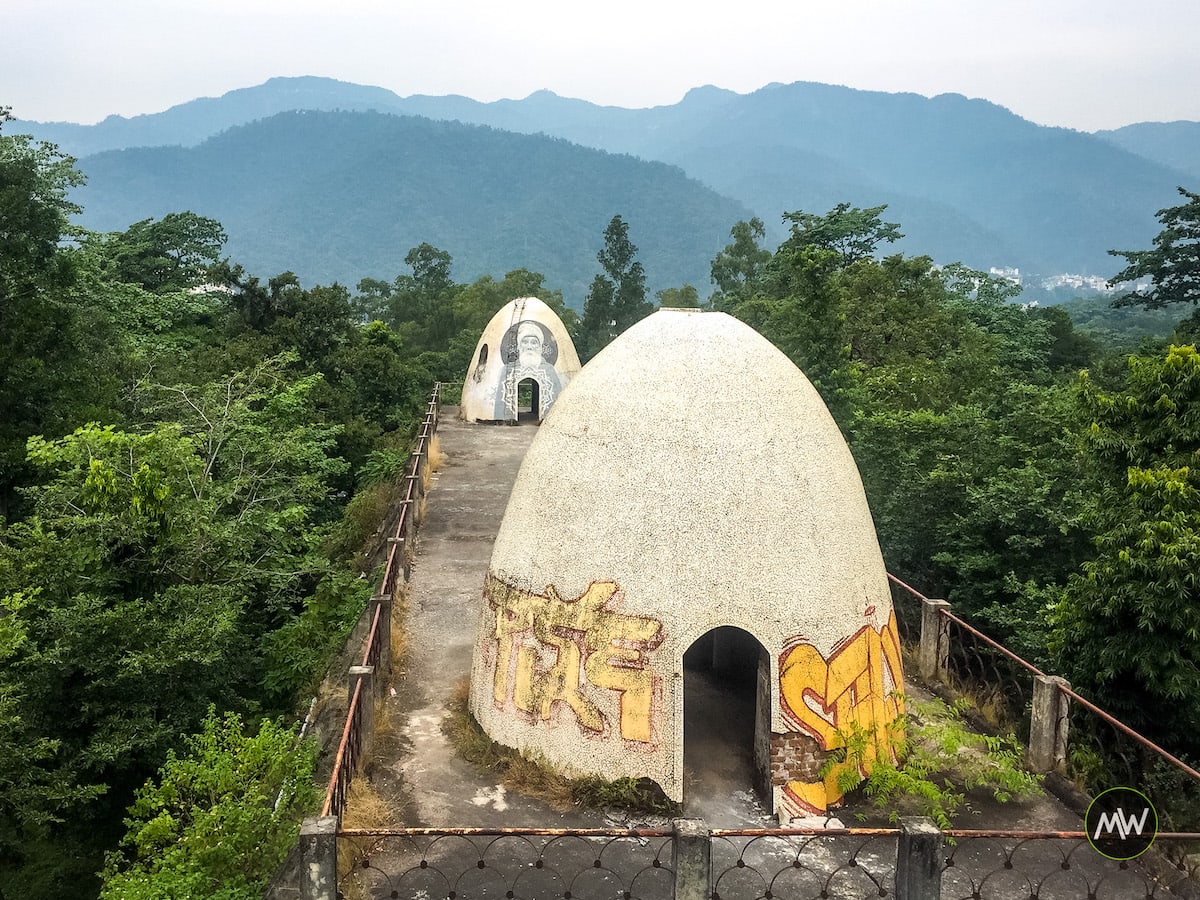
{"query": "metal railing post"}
{"type": "Point", "coordinates": [935, 639]}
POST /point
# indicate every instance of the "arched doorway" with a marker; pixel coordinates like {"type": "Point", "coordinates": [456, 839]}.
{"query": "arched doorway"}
{"type": "Point", "coordinates": [726, 723]}
{"type": "Point", "coordinates": [529, 400]}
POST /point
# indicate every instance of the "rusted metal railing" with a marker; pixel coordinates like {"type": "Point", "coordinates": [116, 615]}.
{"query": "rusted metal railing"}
{"type": "Point", "coordinates": [509, 862]}
{"type": "Point", "coordinates": [377, 646]}
{"type": "Point", "coordinates": [345, 763]}
{"type": "Point", "coordinates": [1091, 744]}
{"type": "Point", "coordinates": [399, 540]}
{"type": "Point", "coordinates": [690, 861]}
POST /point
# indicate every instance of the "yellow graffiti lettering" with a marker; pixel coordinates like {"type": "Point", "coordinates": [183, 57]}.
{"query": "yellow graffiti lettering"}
{"type": "Point", "coordinates": [847, 693]}
{"type": "Point", "coordinates": [552, 650]}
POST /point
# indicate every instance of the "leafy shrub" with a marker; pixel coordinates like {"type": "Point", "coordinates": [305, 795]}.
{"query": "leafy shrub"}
{"type": "Point", "coordinates": [939, 760]}
{"type": "Point", "coordinates": [298, 652]}
{"type": "Point", "coordinates": [219, 820]}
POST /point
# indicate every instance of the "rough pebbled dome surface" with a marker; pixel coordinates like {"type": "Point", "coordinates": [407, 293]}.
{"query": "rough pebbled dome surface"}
{"type": "Point", "coordinates": [695, 465]}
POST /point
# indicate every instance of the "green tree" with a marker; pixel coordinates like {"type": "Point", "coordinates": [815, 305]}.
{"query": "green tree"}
{"type": "Point", "coordinates": [173, 254]}
{"type": "Point", "coordinates": [315, 323]}
{"type": "Point", "coordinates": [1126, 631]}
{"type": "Point", "coordinates": [219, 819]}
{"type": "Point", "coordinates": [738, 269]}
{"type": "Point", "coordinates": [422, 304]}
{"type": "Point", "coordinates": [801, 309]}
{"type": "Point", "coordinates": [1173, 264]}
{"type": "Point", "coordinates": [960, 424]}
{"type": "Point", "coordinates": [848, 231]}
{"type": "Point", "coordinates": [597, 328]}
{"type": "Point", "coordinates": [617, 298]}
{"type": "Point", "coordinates": [798, 299]}
{"type": "Point", "coordinates": [45, 341]}
{"type": "Point", "coordinates": [686, 297]}
{"type": "Point", "coordinates": [147, 583]}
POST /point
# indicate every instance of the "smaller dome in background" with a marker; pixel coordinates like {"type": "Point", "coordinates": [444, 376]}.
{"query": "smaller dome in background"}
{"type": "Point", "coordinates": [523, 360]}
{"type": "Point", "coordinates": [690, 479]}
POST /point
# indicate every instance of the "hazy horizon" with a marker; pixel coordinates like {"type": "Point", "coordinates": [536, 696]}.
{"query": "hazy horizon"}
{"type": "Point", "coordinates": [1082, 64]}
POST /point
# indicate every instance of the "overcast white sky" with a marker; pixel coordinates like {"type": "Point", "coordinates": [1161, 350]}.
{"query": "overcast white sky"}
{"type": "Point", "coordinates": [1085, 64]}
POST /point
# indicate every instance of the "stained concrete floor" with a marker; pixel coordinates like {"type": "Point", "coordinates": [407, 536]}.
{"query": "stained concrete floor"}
{"type": "Point", "coordinates": [423, 778]}
{"type": "Point", "coordinates": [718, 753]}
{"type": "Point", "coordinates": [416, 770]}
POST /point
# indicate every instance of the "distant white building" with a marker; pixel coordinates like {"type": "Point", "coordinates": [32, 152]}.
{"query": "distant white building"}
{"type": "Point", "coordinates": [1008, 273]}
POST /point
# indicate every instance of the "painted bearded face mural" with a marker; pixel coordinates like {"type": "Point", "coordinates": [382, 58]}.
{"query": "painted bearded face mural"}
{"type": "Point", "coordinates": [529, 352]}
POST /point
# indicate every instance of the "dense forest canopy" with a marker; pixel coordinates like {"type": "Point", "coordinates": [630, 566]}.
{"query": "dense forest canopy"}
{"type": "Point", "coordinates": [192, 460]}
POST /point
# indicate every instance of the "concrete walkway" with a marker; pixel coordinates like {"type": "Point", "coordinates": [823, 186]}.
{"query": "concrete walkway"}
{"type": "Point", "coordinates": [418, 773]}
{"type": "Point", "coordinates": [424, 784]}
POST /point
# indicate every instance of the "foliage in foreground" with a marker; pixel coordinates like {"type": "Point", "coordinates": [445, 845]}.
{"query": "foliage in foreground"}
{"type": "Point", "coordinates": [219, 820]}
{"type": "Point", "coordinates": [1126, 627]}
{"type": "Point", "coordinates": [939, 761]}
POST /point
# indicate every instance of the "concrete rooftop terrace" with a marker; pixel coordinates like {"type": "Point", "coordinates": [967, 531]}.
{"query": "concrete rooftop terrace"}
{"type": "Point", "coordinates": [416, 771]}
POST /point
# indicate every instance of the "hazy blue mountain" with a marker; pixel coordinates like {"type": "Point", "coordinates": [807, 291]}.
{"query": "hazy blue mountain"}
{"type": "Point", "coordinates": [1174, 144]}
{"type": "Point", "coordinates": [342, 196]}
{"type": "Point", "coordinates": [190, 123]}
{"type": "Point", "coordinates": [967, 179]}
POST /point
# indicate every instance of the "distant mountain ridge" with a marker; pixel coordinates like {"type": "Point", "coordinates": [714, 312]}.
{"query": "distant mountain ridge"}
{"type": "Point", "coordinates": [967, 179]}
{"type": "Point", "coordinates": [1173, 144]}
{"type": "Point", "coordinates": [345, 195]}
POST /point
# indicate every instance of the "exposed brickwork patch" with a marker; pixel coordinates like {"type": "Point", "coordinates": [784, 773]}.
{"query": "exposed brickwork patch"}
{"type": "Point", "coordinates": [796, 756]}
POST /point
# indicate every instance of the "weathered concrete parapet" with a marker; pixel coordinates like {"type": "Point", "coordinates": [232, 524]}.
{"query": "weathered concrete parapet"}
{"type": "Point", "coordinates": [1048, 725]}
{"type": "Point", "coordinates": [692, 860]}
{"type": "Point", "coordinates": [918, 860]}
{"type": "Point", "coordinates": [318, 853]}
{"type": "Point", "coordinates": [935, 639]}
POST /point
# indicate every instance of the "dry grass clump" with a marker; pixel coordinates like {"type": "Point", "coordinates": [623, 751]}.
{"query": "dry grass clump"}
{"type": "Point", "coordinates": [365, 808]}
{"type": "Point", "coordinates": [399, 631]}
{"type": "Point", "coordinates": [437, 458]}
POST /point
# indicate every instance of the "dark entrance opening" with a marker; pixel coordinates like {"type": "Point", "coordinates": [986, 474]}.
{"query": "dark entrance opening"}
{"type": "Point", "coordinates": [726, 724]}
{"type": "Point", "coordinates": [529, 399]}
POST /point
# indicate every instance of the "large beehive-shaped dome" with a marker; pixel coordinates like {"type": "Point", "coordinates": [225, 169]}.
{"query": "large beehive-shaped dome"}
{"type": "Point", "coordinates": [523, 360]}
{"type": "Point", "coordinates": [691, 478]}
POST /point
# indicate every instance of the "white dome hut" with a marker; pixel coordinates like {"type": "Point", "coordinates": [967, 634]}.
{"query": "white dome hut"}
{"type": "Point", "coordinates": [523, 360]}
{"type": "Point", "coordinates": [691, 490]}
